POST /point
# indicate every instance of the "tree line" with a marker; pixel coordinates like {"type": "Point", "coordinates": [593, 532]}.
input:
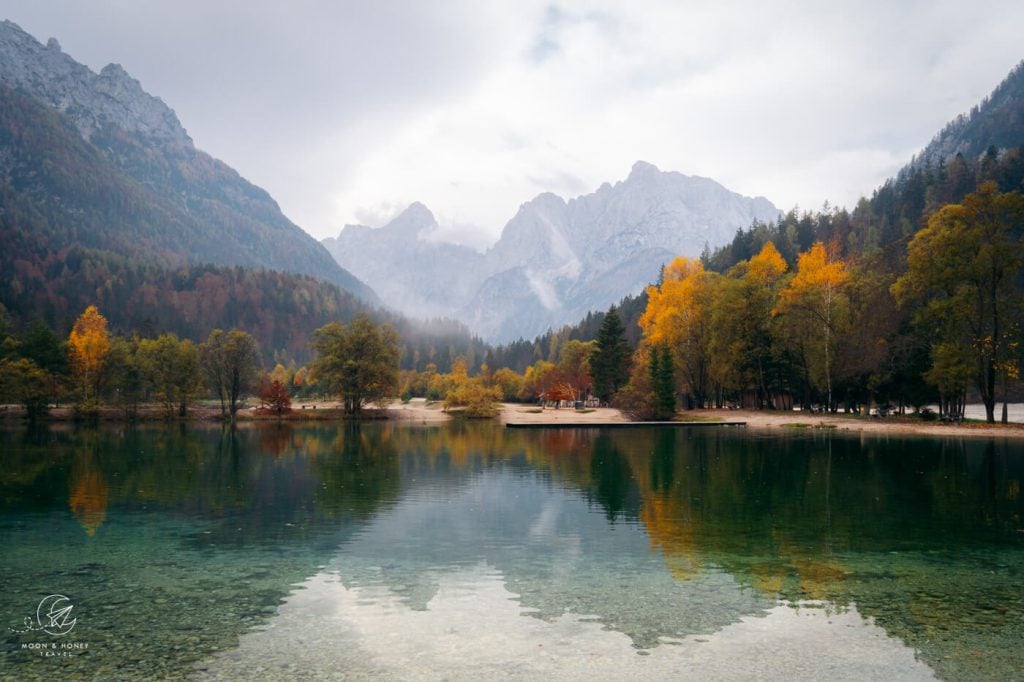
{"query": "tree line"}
{"type": "Point", "coordinates": [846, 332]}
{"type": "Point", "coordinates": [836, 325]}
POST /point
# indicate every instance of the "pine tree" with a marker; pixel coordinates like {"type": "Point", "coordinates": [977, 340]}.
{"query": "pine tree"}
{"type": "Point", "coordinates": [609, 363]}
{"type": "Point", "coordinates": [662, 371]}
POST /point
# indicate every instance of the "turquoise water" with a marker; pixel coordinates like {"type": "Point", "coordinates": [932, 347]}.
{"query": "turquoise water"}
{"type": "Point", "coordinates": [471, 551]}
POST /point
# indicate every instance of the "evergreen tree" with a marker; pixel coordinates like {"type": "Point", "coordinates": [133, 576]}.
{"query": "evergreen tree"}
{"type": "Point", "coordinates": [43, 347]}
{"type": "Point", "coordinates": [662, 371]}
{"type": "Point", "coordinates": [609, 364]}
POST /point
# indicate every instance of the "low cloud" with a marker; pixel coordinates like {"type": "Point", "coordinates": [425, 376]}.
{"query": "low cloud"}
{"type": "Point", "coordinates": [347, 112]}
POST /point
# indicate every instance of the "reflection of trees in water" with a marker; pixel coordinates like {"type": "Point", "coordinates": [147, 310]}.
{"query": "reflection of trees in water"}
{"type": "Point", "coordinates": [805, 516]}
{"type": "Point", "coordinates": [611, 475]}
{"type": "Point", "coordinates": [87, 489]}
{"type": "Point", "coordinates": [357, 472]}
{"type": "Point", "coordinates": [275, 438]}
{"type": "Point", "coordinates": [781, 515]}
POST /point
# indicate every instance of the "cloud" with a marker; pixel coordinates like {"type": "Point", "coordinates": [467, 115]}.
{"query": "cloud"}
{"type": "Point", "coordinates": [347, 112]}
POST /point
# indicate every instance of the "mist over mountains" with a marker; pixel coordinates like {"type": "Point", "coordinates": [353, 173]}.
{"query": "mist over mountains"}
{"type": "Point", "coordinates": [556, 259]}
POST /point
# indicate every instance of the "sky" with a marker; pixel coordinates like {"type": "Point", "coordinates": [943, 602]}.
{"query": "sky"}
{"type": "Point", "coordinates": [346, 112]}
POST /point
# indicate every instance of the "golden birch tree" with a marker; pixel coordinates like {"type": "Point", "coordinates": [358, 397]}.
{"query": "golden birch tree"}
{"type": "Point", "coordinates": [88, 346]}
{"type": "Point", "coordinates": [814, 302]}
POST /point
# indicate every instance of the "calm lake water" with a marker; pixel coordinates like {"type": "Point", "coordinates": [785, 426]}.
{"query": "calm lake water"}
{"type": "Point", "coordinates": [476, 552]}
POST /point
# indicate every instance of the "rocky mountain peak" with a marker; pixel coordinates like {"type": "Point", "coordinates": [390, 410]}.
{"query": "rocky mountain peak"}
{"type": "Point", "coordinates": [92, 101]}
{"type": "Point", "coordinates": [413, 221]}
{"type": "Point", "coordinates": [643, 170]}
{"type": "Point", "coordinates": [556, 259]}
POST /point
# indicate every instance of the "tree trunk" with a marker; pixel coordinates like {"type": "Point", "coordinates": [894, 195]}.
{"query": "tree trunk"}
{"type": "Point", "coordinates": [1005, 409]}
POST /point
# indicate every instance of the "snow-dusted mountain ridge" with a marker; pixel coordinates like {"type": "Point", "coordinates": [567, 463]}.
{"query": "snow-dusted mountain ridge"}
{"type": "Point", "coordinates": [556, 259]}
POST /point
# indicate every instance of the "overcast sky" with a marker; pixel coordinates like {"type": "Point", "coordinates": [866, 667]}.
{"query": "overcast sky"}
{"type": "Point", "coordinates": [349, 111]}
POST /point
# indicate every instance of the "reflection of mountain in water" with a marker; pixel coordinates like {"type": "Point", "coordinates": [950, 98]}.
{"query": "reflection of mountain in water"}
{"type": "Point", "coordinates": [648, 534]}
{"type": "Point", "coordinates": [555, 553]}
{"type": "Point", "coordinates": [569, 519]}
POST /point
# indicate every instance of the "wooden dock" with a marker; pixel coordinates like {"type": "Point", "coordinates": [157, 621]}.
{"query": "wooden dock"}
{"type": "Point", "coordinates": [614, 425]}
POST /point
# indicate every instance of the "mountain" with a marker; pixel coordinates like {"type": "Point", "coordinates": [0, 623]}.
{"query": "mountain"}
{"type": "Point", "coordinates": [412, 273]}
{"type": "Point", "coordinates": [997, 122]}
{"type": "Point", "coordinates": [984, 145]}
{"type": "Point", "coordinates": [93, 160]}
{"type": "Point", "coordinates": [556, 259]}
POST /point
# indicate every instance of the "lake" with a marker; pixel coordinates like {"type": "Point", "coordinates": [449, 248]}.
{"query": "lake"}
{"type": "Point", "coordinates": [468, 551]}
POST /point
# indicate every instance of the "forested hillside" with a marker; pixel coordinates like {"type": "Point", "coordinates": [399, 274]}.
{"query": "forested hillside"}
{"type": "Point", "coordinates": [883, 224]}
{"type": "Point", "coordinates": [166, 239]}
{"type": "Point", "coordinates": [914, 296]}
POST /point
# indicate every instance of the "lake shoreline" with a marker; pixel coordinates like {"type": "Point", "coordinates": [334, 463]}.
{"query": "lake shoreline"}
{"type": "Point", "coordinates": [512, 413]}
{"type": "Point", "coordinates": [419, 411]}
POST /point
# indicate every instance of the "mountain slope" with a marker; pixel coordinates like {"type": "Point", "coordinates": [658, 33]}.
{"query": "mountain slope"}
{"type": "Point", "coordinates": [556, 259]}
{"type": "Point", "coordinates": [998, 121]}
{"type": "Point", "coordinates": [986, 145]}
{"type": "Point", "coordinates": [118, 160]}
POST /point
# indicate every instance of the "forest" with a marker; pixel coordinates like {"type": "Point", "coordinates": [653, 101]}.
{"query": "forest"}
{"type": "Point", "coordinates": [832, 310]}
{"type": "Point", "coordinates": [911, 298]}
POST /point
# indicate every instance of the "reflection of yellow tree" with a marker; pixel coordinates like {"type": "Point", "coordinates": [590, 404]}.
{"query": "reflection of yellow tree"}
{"type": "Point", "coordinates": [686, 504]}
{"type": "Point", "coordinates": [87, 495]}
{"type": "Point", "coordinates": [667, 510]}
{"type": "Point", "coordinates": [671, 531]}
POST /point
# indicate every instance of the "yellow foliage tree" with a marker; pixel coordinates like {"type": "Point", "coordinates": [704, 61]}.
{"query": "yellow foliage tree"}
{"type": "Point", "coordinates": [767, 266]}
{"type": "Point", "coordinates": [88, 346]}
{"type": "Point", "coordinates": [741, 342]}
{"type": "Point", "coordinates": [509, 382]}
{"type": "Point", "coordinates": [678, 315]}
{"type": "Point", "coordinates": [814, 299]}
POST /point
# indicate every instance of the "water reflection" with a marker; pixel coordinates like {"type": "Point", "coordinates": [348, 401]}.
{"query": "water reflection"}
{"type": "Point", "coordinates": [474, 628]}
{"type": "Point", "coordinates": [87, 497]}
{"type": "Point", "coordinates": [648, 535]}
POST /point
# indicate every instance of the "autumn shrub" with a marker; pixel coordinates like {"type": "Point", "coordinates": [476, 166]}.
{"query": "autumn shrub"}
{"type": "Point", "coordinates": [275, 396]}
{"type": "Point", "coordinates": [474, 400]}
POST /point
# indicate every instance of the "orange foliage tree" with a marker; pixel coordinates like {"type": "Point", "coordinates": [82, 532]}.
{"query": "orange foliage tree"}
{"type": "Point", "coordinates": [273, 394]}
{"type": "Point", "coordinates": [88, 346]}
{"type": "Point", "coordinates": [678, 315]}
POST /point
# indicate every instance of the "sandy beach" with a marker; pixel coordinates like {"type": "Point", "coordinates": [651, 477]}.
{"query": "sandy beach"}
{"type": "Point", "coordinates": [528, 414]}
{"type": "Point", "coordinates": [892, 425]}
{"type": "Point", "coordinates": [419, 411]}
{"type": "Point", "coordinates": [516, 413]}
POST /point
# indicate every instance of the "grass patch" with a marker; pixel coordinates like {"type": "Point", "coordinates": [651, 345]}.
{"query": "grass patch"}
{"type": "Point", "coordinates": [796, 425]}
{"type": "Point", "coordinates": [696, 418]}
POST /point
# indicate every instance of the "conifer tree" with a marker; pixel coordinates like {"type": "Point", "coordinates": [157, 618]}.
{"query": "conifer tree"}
{"type": "Point", "coordinates": [609, 365]}
{"type": "Point", "coordinates": [662, 371]}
